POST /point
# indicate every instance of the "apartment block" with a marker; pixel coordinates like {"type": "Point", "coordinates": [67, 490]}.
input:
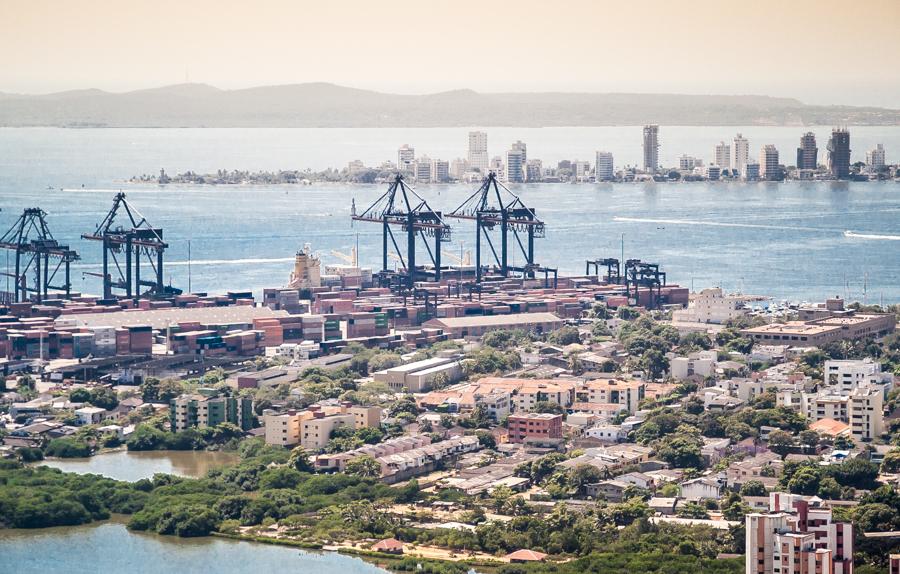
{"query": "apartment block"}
{"type": "Point", "coordinates": [207, 409]}
{"type": "Point", "coordinates": [540, 426]}
{"type": "Point", "coordinates": [797, 536]}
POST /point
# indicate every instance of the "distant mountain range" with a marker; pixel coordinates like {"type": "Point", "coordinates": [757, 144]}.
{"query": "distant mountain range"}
{"type": "Point", "coordinates": [329, 105]}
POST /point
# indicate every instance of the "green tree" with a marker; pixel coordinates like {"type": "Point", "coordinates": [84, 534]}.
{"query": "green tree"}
{"type": "Point", "coordinates": [299, 460]}
{"type": "Point", "coordinates": [753, 488]}
{"type": "Point", "coordinates": [780, 442]}
{"type": "Point", "coordinates": [363, 466]}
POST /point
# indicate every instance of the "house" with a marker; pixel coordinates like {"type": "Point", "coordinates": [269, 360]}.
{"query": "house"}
{"type": "Point", "coordinates": [523, 556]}
{"type": "Point", "coordinates": [609, 490]}
{"type": "Point", "coordinates": [701, 489]}
{"type": "Point", "coordinates": [830, 427]}
{"type": "Point", "coordinates": [663, 505]}
{"type": "Point", "coordinates": [388, 546]}
{"type": "Point", "coordinates": [755, 468]}
{"type": "Point", "coordinates": [89, 415]}
{"type": "Point", "coordinates": [638, 479]}
{"type": "Point", "coordinates": [714, 449]}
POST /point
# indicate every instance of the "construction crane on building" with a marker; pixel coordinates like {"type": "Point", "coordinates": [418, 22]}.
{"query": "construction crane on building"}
{"type": "Point", "coordinates": [400, 206]}
{"type": "Point", "coordinates": [488, 207]}
{"type": "Point", "coordinates": [137, 240]}
{"type": "Point", "coordinates": [36, 251]}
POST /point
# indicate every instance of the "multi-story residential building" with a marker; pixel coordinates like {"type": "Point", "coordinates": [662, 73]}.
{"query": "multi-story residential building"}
{"type": "Point", "coordinates": [459, 167]}
{"type": "Point", "coordinates": [422, 169]}
{"type": "Point", "coordinates": [478, 151]}
{"type": "Point", "coordinates": [713, 172]}
{"type": "Point", "coordinates": [808, 152]}
{"type": "Point", "coordinates": [722, 155]}
{"type": "Point", "coordinates": [839, 153]}
{"type": "Point", "coordinates": [440, 171]}
{"type": "Point", "coordinates": [406, 155]}
{"type": "Point", "coordinates": [626, 394]}
{"type": "Point", "coordinates": [541, 426]}
{"type": "Point", "coordinates": [751, 171]}
{"type": "Point", "coordinates": [604, 169]}
{"type": "Point", "coordinates": [875, 158]}
{"type": "Point", "coordinates": [534, 170]}
{"type": "Point", "coordinates": [316, 431]}
{"type": "Point", "coordinates": [894, 564]}
{"type": "Point", "coordinates": [498, 167]}
{"type": "Point", "coordinates": [851, 373]}
{"type": "Point", "coordinates": [516, 159]}
{"type": "Point", "coordinates": [797, 536]}
{"type": "Point", "coordinates": [699, 364]}
{"type": "Point", "coordinates": [207, 409]}
{"type": "Point", "coordinates": [651, 148]}
{"type": "Point", "coordinates": [688, 163]}
{"type": "Point", "coordinates": [862, 408]}
{"type": "Point", "coordinates": [741, 153]}
{"type": "Point", "coordinates": [285, 429]}
{"type": "Point", "coordinates": [769, 167]}
{"type": "Point", "coordinates": [710, 306]}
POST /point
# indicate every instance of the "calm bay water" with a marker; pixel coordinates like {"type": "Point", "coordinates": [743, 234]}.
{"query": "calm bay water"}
{"type": "Point", "coordinates": [132, 466]}
{"type": "Point", "coordinates": [786, 240]}
{"type": "Point", "coordinates": [110, 547]}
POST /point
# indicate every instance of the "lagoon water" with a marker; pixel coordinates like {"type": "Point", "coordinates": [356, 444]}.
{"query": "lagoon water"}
{"type": "Point", "coordinates": [110, 547]}
{"type": "Point", "coordinates": [132, 466]}
{"type": "Point", "coordinates": [795, 240]}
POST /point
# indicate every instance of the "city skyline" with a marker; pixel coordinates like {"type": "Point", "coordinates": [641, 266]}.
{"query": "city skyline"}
{"type": "Point", "coordinates": [61, 47]}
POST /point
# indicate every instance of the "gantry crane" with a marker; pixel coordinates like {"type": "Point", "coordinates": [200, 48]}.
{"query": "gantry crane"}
{"type": "Point", "coordinates": [36, 251]}
{"type": "Point", "coordinates": [488, 209]}
{"type": "Point", "coordinates": [613, 268]}
{"type": "Point", "coordinates": [637, 274]}
{"type": "Point", "coordinates": [138, 240]}
{"type": "Point", "coordinates": [400, 206]}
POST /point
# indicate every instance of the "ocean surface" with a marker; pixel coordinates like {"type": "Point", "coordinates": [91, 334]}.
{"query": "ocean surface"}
{"type": "Point", "coordinates": [795, 240]}
{"type": "Point", "coordinates": [110, 547]}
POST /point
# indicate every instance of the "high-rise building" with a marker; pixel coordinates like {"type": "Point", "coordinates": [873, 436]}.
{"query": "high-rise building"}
{"type": "Point", "coordinates": [723, 155]}
{"type": "Point", "coordinates": [534, 170]}
{"type": "Point", "coordinates": [839, 153]}
{"type": "Point", "coordinates": [406, 155]}
{"type": "Point", "coordinates": [741, 153]}
{"type": "Point", "coordinates": [515, 163]}
{"type": "Point", "coordinates": [478, 152]}
{"type": "Point", "coordinates": [440, 171]}
{"type": "Point", "coordinates": [459, 167]}
{"type": "Point", "coordinates": [797, 536]}
{"type": "Point", "coordinates": [875, 158]}
{"type": "Point", "coordinates": [769, 168]}
{"type": "Point", "coordinates": [604, 169]}
{"type": "Point", "coordinates": [421, 169]}
{"type": "Point", "coordinates": [651, 148]}
{"type": "Point", "coordinates": [808, 152]}
{"type": "Point", "coordinates": [497, 166]}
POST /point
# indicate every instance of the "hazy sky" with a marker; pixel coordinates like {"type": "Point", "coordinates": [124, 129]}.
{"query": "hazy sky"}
{"type": "Point", "coordinates": [820, 51]}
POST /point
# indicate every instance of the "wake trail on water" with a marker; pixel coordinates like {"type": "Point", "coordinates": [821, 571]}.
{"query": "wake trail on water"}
{"type": "Point", "coordinates": [874, 236]}
{"type": "Point", "coordinates": [701, 222]}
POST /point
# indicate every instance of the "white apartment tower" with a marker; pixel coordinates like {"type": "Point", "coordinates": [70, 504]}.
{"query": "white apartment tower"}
{"type": "Point", "coordinates": [516, 160]}
{"type": "Point", "coordinates": [875, 158]}
{"type": "Point", "coordinates": [651, 147]}
{"type": "Point", "coordinates": [406, 155]}
{"type": "Point", "coordinates": [478, 152]}
{"type": "Point", "coordinates": [741, 153]}
{"type": "Point", "coordinates": [604, 170]}
{"type": "Point", "coordinates": [723, 155]}
{"type": "Point", "coordinates": [440, 171]}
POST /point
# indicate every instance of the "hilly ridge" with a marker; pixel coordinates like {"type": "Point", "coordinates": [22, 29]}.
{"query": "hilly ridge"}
{"type": "Point", "coordinates": [330, 105]}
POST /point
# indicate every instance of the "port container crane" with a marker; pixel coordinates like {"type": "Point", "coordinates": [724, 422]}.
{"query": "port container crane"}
{"type": "Point", "coordinates": [400, 206]}
{"type": "Point", "coordinates": [137, 240]}
{"type": "Point", "coordinates": [37, 252]}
